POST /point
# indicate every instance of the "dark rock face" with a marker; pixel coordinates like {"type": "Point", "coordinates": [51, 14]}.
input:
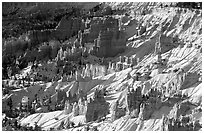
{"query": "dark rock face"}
{"type": "Point", "coordinates": [134, 99]}
{"type": "Point", "coordinates": [61, 95]}
{"type": "Point", "coordinates": [143, 105]}
{"type": "Point", "coordinates": [190, 78]}
{"type": "Point", "coordinates": [68, 28]}
{"type": "Point", "coordinates": [110, 42]}
{"type": "Point", "coordinates": [194, 5]}
{"type": "Point", "coordinates": [37, 36]}
{"type": "Point", "coordinates": [97, 108]}
{"type": "Point", "coordinates": [182, 124]}
{"type": "Point", "coordinates": [118, 111]}
{"type": "Point", "coordinates": [105, 34]}
{"type": "Point", "coordinates": [100, 24]}
{"type": "Point", "coordinates": [179, 120]}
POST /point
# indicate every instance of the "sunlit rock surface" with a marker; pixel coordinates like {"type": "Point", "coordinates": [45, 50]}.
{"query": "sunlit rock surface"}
{"type": "Point", "coordinates": [116, 67]}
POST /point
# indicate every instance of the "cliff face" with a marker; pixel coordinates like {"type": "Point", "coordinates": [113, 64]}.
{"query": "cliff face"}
{"type": "Point", "coordinates": [108, 36]}
{"type": "Point", "coordinates": [109, 41]}
{"type": "Point", "coordinates": [98, 108]}
{"type": "Point", "coordinates": [68, 28]}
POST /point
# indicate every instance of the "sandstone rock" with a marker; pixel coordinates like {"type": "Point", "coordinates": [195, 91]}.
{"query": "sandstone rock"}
{"type": "Point", "coordinates": [108, 38]}
{"type": "Point", "coordinates": [67, 108]}
{"type": "Point", "coordinates": [61, 95]}
{"type": "Point", "coordinates": [119, 66]}
{"type": "Point", "coordinates": [121, 59]}
{"type": "Point", "coordinates": [75, 109]}
{"type": "Point", "coordinates": [117, 111]}
{"type": "Point", "coordinates": [98, 108]}
{"type": "Point", "coordinates": [68, 27]}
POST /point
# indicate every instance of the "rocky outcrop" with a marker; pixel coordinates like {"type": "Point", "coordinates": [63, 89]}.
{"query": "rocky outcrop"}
{"type": "Point", "coordinates": [141, 105]}
{"type": "Point", "coordinates": [68, 27]}
{"type": "Point", "coordinates": [97, 108]}
{"type": "Point", "coordinates": [106, 36]}
{"type": "Point", "coordinates": [117, 111]}
{"type": "Point", "coordinates": [158, 75]}
{"type": "Point", "coordinates": [179, 118]}
{"type": "Point", "coordinates": [134, 99]}
{"type": "Point", "coordinates": [61, 96]}
{"type": "Point", "coordinates": [110, 43]}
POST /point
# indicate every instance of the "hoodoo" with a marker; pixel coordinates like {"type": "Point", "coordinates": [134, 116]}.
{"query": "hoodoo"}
{"type": "Point", "coordinates": [102, 66]}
